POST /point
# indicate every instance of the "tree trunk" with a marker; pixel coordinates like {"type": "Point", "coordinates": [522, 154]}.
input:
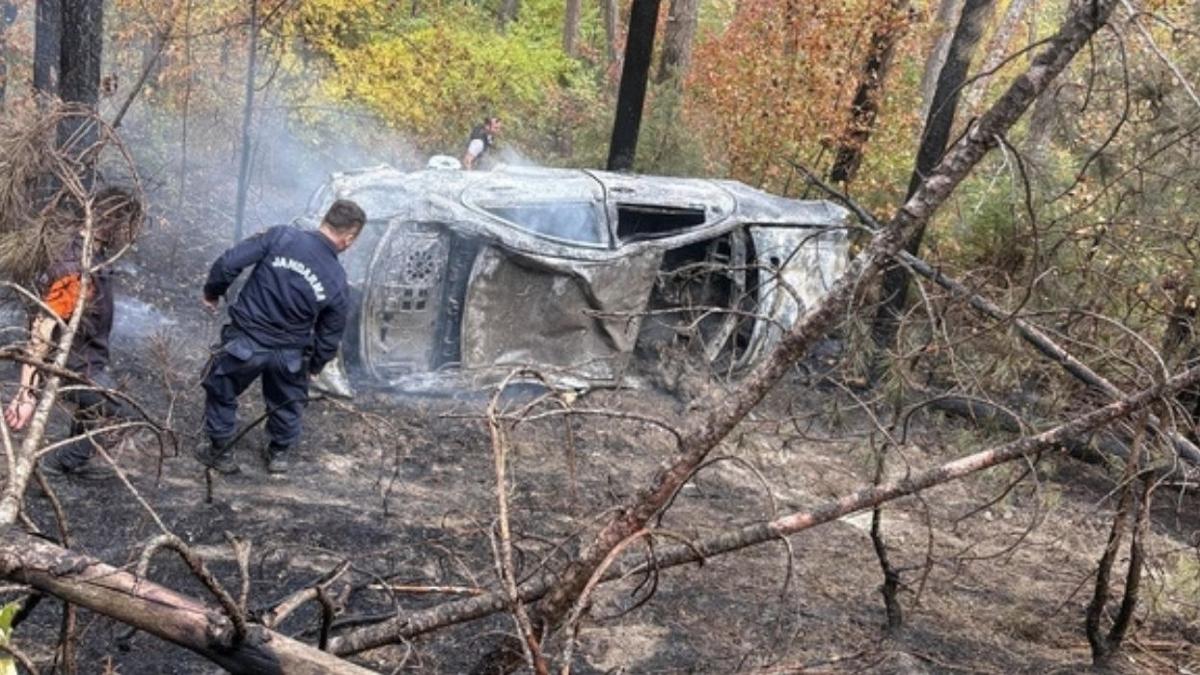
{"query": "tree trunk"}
{"type": "Point", "coordinates": [509, 11]}
{"type": "Point", "coordinates": [720, 411]}
{"type": "Point", "coordinates": [159, 611]}
{"type": "Point", "coordinates": [938, 125]}
{"type": "Point", "coordinates": [612, 18]}
{"type": "Point", "coordinates": [47, 38]}
{"type": "Point", "coordinates": [8, 15]}
{"type": "Point", "coordinates": [80, 54]}
{"type": "Point", "coordinates": [677, 40]}
{"type": "Point", "coordinates": [571, 27]}
{"type": "Point", "coordinates": [1041, 124]}
{"type": "Point", "coordinates": [243, 186]}
{"type": "Point", "coordinates": [947, 17]}
{"type": "Point", "coordinates": [639, 47]}
{"type": "Point", "coordinates": [186, 112]}
{"type": "Point", "coordinates": [81, 49]}
{"type": "Point", "coordinates": [865, 106]}
{"type": "Point", "coordinates": [996, 51]}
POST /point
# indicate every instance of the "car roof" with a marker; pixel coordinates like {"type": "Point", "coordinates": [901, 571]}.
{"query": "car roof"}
{"type": "Point", "coordinates": [453, 195]}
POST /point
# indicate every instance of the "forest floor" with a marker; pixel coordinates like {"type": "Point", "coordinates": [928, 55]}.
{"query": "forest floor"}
{"type": "Point", "coordinates": [996, 579]}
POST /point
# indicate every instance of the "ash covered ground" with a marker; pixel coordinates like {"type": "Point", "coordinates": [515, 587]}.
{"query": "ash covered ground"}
{"type": "Point", "coordinates": [403, 487]}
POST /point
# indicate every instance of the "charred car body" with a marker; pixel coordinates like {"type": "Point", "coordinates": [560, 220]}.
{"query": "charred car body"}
{"type": "Point", "coordinates": [460, 277]}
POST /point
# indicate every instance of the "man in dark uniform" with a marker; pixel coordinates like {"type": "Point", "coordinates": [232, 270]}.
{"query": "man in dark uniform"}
{"type": "Point", "coordinates": [285, 325]}
{"type": "Point", "coordinates": [117, 215]}
{"type": "Point", "coordinates": [483, 137]}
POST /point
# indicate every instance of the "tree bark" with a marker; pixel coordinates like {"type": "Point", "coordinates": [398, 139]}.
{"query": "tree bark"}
{"type": "Point", "coordinates": [639, 47]}
{"type": "Point", "coordinates": [79, 66]}
{"type": "Point", "coordinates": [157, 610]}
{"type": "Point", "coordinates": [612, 18]}
{"type": "Point", "coordinates": [678, 37]}
{"type": "Point", "coordinates": [996, 51]}
{"type": "Point", "coordinates": [946, 18]}
{"type": "Point", "coordinates": [721, 411]}
{"type": "Point", "coordinates": [47, 40]}
{"type": "Point", "coordinates": [412, 624]}
{"type": "Point", "coordinates": [865, 106]}
{"type": "Point", "coordinates": [938, 125]}
{"type": "Point", "coordinates": [571, 27]}
{"type": "Point", "coordinates": [243, 186]}
{"type": "Point", "coordinates": [8, 15]}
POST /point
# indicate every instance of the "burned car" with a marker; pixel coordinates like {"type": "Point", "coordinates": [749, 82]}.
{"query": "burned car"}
{"type": "Point", "coordinates": [460, 277]}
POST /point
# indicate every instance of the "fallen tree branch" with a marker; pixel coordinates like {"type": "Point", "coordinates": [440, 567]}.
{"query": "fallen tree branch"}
{"type": "Point", "coordinates": [236, 614]}
{"type": "Point", "coordinates": [295, 601]}
{"type": "Point", "coordinates": [157, 610]}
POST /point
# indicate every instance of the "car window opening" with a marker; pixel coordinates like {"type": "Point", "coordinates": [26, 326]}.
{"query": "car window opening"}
{"type": "Point", "coordinates": [642, 221]}
{"type": "Point", "coordinates": [570, 221]}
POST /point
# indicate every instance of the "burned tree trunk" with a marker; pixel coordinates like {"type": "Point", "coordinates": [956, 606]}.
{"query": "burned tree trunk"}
{"type": "Point", "coordinates": [894, 292]}
{"type": "Point", "coordinates": [157, 610]}
{"type": "Point", "coordinates": [79, 66]}
{"type": "Point", "coordinates": [639, 46]}
{"type": "Point", "coordinates": [946, 18]}
{"type": "Point", "coordinates": [677, 40]}
{"type": "Point", "coordinates": [865, 106]}
{"type": "Point", "coordinates": [243, 186]}
{"type": "Point", "coordinates": [47, 38]}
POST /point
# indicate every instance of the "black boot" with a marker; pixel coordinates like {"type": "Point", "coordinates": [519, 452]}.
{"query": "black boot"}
{"type": "Point", "coordinates": [216, 456]}
{"type": "Point", "coordinates": [276, 458]}
{"type": "Point", "coordinates": [92, 468]}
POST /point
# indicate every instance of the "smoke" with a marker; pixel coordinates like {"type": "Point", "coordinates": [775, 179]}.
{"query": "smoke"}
{"type": "Point", "coordinates": [293, 152]}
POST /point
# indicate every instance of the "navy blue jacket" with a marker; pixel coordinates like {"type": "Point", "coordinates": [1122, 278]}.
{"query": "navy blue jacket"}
{"type": "Point", "coordinates": [296, 296]}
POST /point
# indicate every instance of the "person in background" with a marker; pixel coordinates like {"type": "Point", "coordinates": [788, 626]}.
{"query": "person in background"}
{"type": "Point", "coordinates": [117, 214]}
{"type": "Point", "coordinates": [285, 325]}
{"type": "Point", "coordinates": [483, 137]}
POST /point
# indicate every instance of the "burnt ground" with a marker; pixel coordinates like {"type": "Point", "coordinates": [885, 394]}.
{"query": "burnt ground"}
{"type": "Point", "coordinates": [403, 487]}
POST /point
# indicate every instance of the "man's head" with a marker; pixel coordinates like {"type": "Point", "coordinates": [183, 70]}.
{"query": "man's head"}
{"type": "Point", "coordinates": [116, 216]}
{"type": "Point", "coordinates": [491, 124]}
{"type": "Point", "coordinates": [342, 223]}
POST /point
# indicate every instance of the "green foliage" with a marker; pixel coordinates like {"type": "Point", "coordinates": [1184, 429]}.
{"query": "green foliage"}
{"type": "Point", "coordinates": [7, 614]}
{"type": "Point", "coordinates": [435, 79]}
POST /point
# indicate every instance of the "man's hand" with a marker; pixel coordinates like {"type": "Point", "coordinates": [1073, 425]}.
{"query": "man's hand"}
{"type": "Point", "coordinates": [20, 410]}
{"type": "Point", "coordinates": [211, 304]}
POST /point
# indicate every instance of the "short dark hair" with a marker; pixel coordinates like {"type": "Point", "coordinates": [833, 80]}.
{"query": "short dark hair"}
{"type": "Point", "coordinates": [345, 216]}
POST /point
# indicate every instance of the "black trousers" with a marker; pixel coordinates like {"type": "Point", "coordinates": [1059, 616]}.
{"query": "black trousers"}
{"type": "Point", "coordinates": [234, 367]}
{"type": "Point", "coordinates": [92, 410]}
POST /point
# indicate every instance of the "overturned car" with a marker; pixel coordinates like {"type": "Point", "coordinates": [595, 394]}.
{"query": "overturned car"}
{"type": "Point", "coordinates": [460, 277]}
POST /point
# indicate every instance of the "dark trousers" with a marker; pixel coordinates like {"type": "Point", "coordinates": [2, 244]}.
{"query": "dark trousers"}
{"type": "Point", "coordinates": [284, 387]}
{"type": "Point", "coordinates": [92, 410]}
